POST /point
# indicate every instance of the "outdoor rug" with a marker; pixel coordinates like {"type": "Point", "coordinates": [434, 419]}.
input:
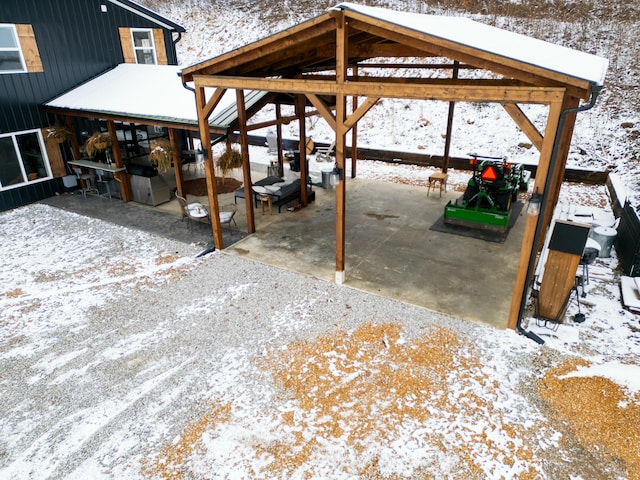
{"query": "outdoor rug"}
{"type": "Point", "coordinates": [482, 234]}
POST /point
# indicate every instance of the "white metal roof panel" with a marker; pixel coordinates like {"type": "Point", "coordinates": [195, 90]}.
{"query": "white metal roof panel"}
{"type": "Point", "coordinates": [152, 92]}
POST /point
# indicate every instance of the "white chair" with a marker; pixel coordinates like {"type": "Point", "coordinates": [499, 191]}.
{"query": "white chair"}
{"type": "Point", "coordinates": [86, 182]}
{"type": "Point", "coordinates": [227, 212]}
{"type": "Point", "coordinates": [192, 211]}
{"type": "Point", "coordinates": [272, 142]}
{"type": "Point", "coordinates": [325, 154]}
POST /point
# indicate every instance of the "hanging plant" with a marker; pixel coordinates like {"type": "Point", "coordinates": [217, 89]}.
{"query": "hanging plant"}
{"type": "Point", "coordinates": [229, 160]}
{"type": "Point", "coordinates": [160, 155]}
{"type": "Point", "coordinates": [97, 142]}
{"type": "Point", "coordinates": [57, 133]}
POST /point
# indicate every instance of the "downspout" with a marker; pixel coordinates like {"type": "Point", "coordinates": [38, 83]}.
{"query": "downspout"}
{"type": "Point", "coordinates": [595, 91]}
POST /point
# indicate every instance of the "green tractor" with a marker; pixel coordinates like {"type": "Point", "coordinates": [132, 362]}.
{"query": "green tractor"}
{"type": "Point", "coordinates": [486, 202]}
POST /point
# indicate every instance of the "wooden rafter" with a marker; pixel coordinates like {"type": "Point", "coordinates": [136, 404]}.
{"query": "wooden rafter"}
{"type": "Point", "coordinates": [323, 109]}
{"type": "Point", "coordinates": [435, 46]}
{"type": "Point", "coordinates": [526, 125]}
{"type": "Point", "coordinates": [459, 93]}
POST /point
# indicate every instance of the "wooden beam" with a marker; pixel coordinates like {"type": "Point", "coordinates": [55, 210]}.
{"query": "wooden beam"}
{"type": "Point", "coordinates": [458, 93]}
{"type": "Point", "coordinates": [75, 144]}
{"type": "Point", "coordinates": [360, 111]}
{"type": "Point", "coordinates": [323, 110]}
{"type": "Point", "coordinates": [177, 161]}
{"type": "Point", "coordinates": [121, 177]}
{"type": "Point", "coordinates": [213, 102]}
{"type": "Point", "coordinates": [246, 163]}
{"type": "Point", "coordinates": [452, 106]}
{"type": "Point", "coordinates": [526, 125]}
{"type": "Point", "coordinates": [436, 46]}
{"type": "Point", "coordinates": [354, 129]}
{"type": "Point", "coordinates": [302, 129]}
{"type": "Point", "coordinates": [259, 50]}
{"type": "Point", "coordinates": [527, 248]}
{"type": "Point", "coordinates": [342, 46]}
{"type": "Point", "coordinates": [210, 174]}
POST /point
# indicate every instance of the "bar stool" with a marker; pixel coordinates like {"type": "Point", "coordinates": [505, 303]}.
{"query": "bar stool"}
{"type": "Point", "coordinates": [86, 179]}
{"type": "Point", "coordinates": [436, 178]}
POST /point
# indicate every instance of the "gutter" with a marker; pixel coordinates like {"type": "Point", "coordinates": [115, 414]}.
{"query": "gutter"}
{"type": "Point", "coordinates": [595, 91]}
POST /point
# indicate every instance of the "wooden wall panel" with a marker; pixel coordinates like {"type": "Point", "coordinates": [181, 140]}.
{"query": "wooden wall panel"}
{"type": "Point", "coordinates": [127, 45]}
{"type": "Point", "coordinates": [29, 47]}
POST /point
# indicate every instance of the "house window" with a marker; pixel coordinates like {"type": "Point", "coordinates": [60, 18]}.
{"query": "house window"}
{"type": "Point", "coordinates": [22, 159]}
{"type": "Point", "coordinates": [143, 46]}
{"type": "Point", "coordinates": [11, 59]}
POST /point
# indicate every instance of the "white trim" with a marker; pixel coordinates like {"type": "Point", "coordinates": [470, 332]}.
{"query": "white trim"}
{"type": "Point", "coordinates": [12, 27]}
{"type": "Point", "coordinates": [151, 47]}
{"type": "Point", "coordinates": [143, 15]}
{"type": "Point", "coordinates": [43, 151]}
{"type": "Point", "coordinates": [340, 277]}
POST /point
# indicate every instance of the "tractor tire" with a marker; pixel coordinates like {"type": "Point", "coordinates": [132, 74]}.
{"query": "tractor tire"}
{"type": "Point", "coordinates": [503, 200]}
{"type": "Point", "coordinates": [469, 193]}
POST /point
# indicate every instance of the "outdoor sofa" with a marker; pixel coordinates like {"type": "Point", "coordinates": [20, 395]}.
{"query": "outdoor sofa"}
{"type": "Point", "coordinates": [281, 191]}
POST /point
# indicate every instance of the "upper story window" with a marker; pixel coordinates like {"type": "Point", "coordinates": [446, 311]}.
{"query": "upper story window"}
{"type": "Point", "coordinates": [18, 49]}
{"type": "Point", "coordinates": [23, 159]}
{"type": "Point", "coordinates": [144, 46]}
{"type": "Point", "coordinates": [11, 59]}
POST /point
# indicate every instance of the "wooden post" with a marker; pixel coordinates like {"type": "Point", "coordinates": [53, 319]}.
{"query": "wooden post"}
{"type": "Point", "coordinates": [121, 177]}
{"type": "Point", "coordinates": [304, 174]}
{"type": "Point", "coordinates": [246, 164]}
{"type": "Point", "coordinates": [341, 106]}
{"type": "Point", "coordinates": [75, 145]}
{"type": "Point", "coordinates": [527, 248]}
{"type": "Point", "coordinates": [210, 174]}
{"type": "Point", "coordinates": [177, 161]}
{"type": "Point", "coordinates": [447, 140]}
{"type": "Point", "coordinates": [279, 139]}
{"type": "Point", "coordinates": [354, 130]}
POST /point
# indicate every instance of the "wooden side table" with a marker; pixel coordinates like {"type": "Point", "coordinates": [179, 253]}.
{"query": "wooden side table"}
{"type": "Point", "coordinates": [438, 178]}
{"type": "Point", "coordinates": [266, 199]}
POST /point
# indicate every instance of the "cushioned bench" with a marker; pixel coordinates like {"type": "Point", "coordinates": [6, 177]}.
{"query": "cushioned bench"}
{"type": "Point", "coordinates": [281, 192]}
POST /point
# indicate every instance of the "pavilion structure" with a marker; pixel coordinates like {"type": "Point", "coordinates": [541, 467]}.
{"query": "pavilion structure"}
{"type": "Point", "coordinates": [341, 63]}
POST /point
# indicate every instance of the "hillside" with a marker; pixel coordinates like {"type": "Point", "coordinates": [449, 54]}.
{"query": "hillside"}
{"type": "Point", "coordinates": [606, 137]}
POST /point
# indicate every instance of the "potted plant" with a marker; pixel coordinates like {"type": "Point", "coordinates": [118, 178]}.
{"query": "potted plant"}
{"type": "Point", "coordinates": [98, 142]}
{"type": "Point", "coordinates": [160, 155]}
{"type": "Point", "coordinates": [57, 133]}
{"type": "Point", "coordinates": [230, 159]}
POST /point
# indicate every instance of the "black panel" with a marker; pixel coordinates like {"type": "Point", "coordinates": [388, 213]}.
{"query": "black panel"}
{"type": "Point", "coordinates": [76, 42]}
{"type": "Point", "coordinates": [569, 237]}
{"type": "Point", "coordinates": [627, 241]}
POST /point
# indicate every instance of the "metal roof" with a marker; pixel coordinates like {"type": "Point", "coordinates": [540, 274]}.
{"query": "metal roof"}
{"type": "Point", "coordinates": [146, 93]}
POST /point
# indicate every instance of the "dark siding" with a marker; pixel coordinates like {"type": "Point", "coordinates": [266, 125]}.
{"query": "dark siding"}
{"type": "Point", "coordinates": [76, 42]}
{"type": "Point", "coordinates": [628, 241]}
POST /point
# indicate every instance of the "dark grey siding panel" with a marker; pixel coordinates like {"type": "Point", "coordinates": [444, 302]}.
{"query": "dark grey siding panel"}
{"type": "Point", "coordinates": [76, 42]}
{"type": "Point", "coordinates": [18, 197]}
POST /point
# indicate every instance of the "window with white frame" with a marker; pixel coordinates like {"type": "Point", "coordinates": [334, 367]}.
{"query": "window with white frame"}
{"type": "Point", "coordinates": [11, 59]}
{"type": "Point", "coordinates": [23, 159]}
{"type": "Point", "coordinates": [143, 46]}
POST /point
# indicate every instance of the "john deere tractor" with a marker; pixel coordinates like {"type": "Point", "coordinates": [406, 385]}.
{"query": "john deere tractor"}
{"type": "Point", "coordinates": [486, 202]}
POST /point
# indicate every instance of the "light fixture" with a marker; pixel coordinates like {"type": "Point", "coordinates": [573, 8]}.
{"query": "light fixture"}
{"type": "Point", "coordinates": [337, 174]}
{"type": "Point", "coordinates": [533, 209]}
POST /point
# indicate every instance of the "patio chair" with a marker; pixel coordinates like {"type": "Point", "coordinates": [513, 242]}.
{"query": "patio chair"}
{"type": "Point", "coordinates": [192, 211]}
{"type": "Point", "coordinates": [325, 154]}
{"type": "Point", "coordinates": [227, 212]}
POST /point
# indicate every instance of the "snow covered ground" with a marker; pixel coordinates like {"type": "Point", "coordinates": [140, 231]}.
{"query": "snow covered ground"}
{"type": "Point", "coordinates": [125, 356]}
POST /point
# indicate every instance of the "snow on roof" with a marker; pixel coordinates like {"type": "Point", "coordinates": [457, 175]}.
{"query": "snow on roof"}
{"type": "Point", "coordinates": [151, 92]}
{"type": "Point", "coordinates": [494, 40]}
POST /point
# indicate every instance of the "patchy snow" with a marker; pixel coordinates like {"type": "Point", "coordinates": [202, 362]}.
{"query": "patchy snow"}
{"type": "Point", "coordinates": [124, 356]}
